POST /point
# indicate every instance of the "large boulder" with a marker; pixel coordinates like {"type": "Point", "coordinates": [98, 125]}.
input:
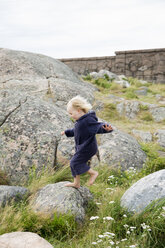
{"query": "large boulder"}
{"type": "Point", "coordinates": [119, 149]}
{"type": "Point", "coordinates": [158, 113]}
{"type": "Point", "coordinates": [23, 240]}
{"type": "Point", "coordinates": [142, 135]}
{"type": "Point", "coordinates": [12, 193]}
{"type": "Point", "coordinates": [144, 191]}
{"type": "Point", "coordinates": [160, 135]}
{"type": "Point", "coordinates": [33, 95]}
{"type": "Point", "coordinates": [61, 199]}
{"type": "Point", "coordinates": [128, 108]}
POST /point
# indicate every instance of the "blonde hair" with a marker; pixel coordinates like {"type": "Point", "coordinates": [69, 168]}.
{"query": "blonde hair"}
{"type": "Point", "coordinates": [79, 102]}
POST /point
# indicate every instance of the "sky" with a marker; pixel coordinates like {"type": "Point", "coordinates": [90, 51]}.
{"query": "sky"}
{"type": "Point", "coordinates": [81, 28]}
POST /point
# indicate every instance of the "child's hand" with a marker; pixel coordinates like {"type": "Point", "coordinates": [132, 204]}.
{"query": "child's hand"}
{"type": "Point", "coordinates": [107, 127]}
{"type": "Point", "coordinates": [63, 132]}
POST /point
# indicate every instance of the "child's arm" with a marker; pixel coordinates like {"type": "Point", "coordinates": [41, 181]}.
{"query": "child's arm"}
{"type": "Point", "coordinates": [68, 132]}
{"type": "Point", "coordinates": [95, 127]}
{"type": "Point", "coordinates": [105, 128]}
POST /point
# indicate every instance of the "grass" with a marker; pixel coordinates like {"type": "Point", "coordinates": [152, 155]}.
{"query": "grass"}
{"type": "Point", "coordinates": [104, 215]}
{"type": "Point", "coordinates": [3, 178]}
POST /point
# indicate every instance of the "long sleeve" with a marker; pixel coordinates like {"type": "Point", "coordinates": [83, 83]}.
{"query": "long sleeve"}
{"type": "Point", "coordinates": [95, 127]}
{"type": "Point", "coordinates": [69, 132]}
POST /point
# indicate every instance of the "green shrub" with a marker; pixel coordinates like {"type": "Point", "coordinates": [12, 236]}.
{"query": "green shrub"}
{"type": "Point", "coordinates": [102, 83]}
{"type": "Point", "coordinates": [87, 78]}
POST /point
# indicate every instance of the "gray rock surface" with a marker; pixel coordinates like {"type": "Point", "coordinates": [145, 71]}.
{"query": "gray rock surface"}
{"type": "Point", "coordinates": [23, 240]}
{"type": "Point", "coordinates": [144, 136]}
{"type": "Point", "coordinates": [144, 191]}
{"type": "Point", "coordinates": [158, 114]}
{"type": "Point", "coordinates": [142, 91]}
{"type": "Point", "coordinates": [58, 198]}
{"type": "Point", "coordinates": [160, 134]}
{"type": "Point", "coordinates": [128, 108]}
{"type": "Point", "coordinates": [123, 83]}
{"type": "Point", "coordinates": [120, 150]}
{"type": "Point", "coordinates": [12, 193]}
{"type": "Point", "coordinates": [102, 73]}
{"type": "Point", "coordinates": [34, 90]}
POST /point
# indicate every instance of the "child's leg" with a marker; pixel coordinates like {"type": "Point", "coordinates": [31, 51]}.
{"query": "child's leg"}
{"type": "Point", "coordinates": [93, 175]}
{"type": "Point", "coordinates": [76, 183]}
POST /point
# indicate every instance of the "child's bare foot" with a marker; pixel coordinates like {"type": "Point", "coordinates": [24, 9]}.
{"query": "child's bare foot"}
{"type": "Point", "coordinates": [93, 178]}
{"type": "Point", "coordinates": [72, 185]}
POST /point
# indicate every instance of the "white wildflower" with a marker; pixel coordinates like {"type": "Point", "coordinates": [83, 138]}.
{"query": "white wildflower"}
{"type": "Point", "coordinates": [94, 243]}
{"type": "Point", "coordinates": [108, 218]}
{"type": "Point", "coordinates": [112, 176]}
{"type": "Point", "coordinates": [99, 241]}
{"type": "Point", "coordinates": [126, 226]}
{"type": "Point", "coordinates": [98, 203]}
{"type": "Point", "coordinates": [132, 246]}
{"type": "Point", "coordinates": [124, 215]}
{"type": "Point", "coordinates": [101, 236]}
{"type": "Point", "coordinates": [123, 240]}
{"type": "Point", "coordinates": [163, 208]}
{"type": "Point", "coordinates": [144, 226]}
{"type": "Point", "coordinates": [132, 228]}
{"type": "Point", "coordinates": [94, 217]}
{"type": "Point", "coordinates": [111, 242]}
{"type": "Point", "coordinates": [108, 233]}
{"type": "Point", "coordinates": [128, 232]}
{"type": "Point", "coordinates": [111, 202]}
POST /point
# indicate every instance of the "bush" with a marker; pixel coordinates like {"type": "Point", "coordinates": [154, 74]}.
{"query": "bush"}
{"type": "Point", "coordinates": [102, 83]}
{"type": "Point", "coordinates": [87, 78]}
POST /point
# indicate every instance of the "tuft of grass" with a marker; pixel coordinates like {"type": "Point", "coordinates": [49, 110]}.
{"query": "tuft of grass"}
{"type": "Point", "coordinates": [46, 176]}
{"type": "Point", "coordinates": [4, 180]}
{"type": "Point", "coordinates": [143, 107]}
{"type": "Point", "coordinates": [103, 83]}
{"type": "Point", "coordinates": [87, 77]}
{"type": "Point", "coordinates": [130, 93]}
{"type": "Point", "coordinates": [146, 116]}
{"type": "Point", "coordinates": [21, 218]}
{"type": "Point", "coordinates": [109, 112]}
{"type": "Point", "coordinates": [154, 161]}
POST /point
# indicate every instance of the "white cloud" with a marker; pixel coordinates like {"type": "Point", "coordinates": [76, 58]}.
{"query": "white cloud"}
{"type": "Point", "coordinates": [77, 28]}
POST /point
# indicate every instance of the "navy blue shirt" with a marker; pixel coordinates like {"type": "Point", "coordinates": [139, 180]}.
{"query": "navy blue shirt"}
{"type": "Point", "coordinates": [84, 131]}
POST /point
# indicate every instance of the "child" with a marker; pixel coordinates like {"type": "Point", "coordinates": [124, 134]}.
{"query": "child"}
{"type": "Point", "coordinates": [84, 131]}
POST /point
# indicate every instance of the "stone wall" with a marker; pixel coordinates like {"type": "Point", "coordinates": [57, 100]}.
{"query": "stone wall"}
{"type": "Point", "coordinates": [143, 64]}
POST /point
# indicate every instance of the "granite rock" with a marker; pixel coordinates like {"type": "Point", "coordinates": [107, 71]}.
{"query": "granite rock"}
{"type": "Point", "coordinates": [23, 240]}
{"type": "Point", "coordinates": [144, 192]}
{"type": "Point", "coordinates": [60, 199]}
